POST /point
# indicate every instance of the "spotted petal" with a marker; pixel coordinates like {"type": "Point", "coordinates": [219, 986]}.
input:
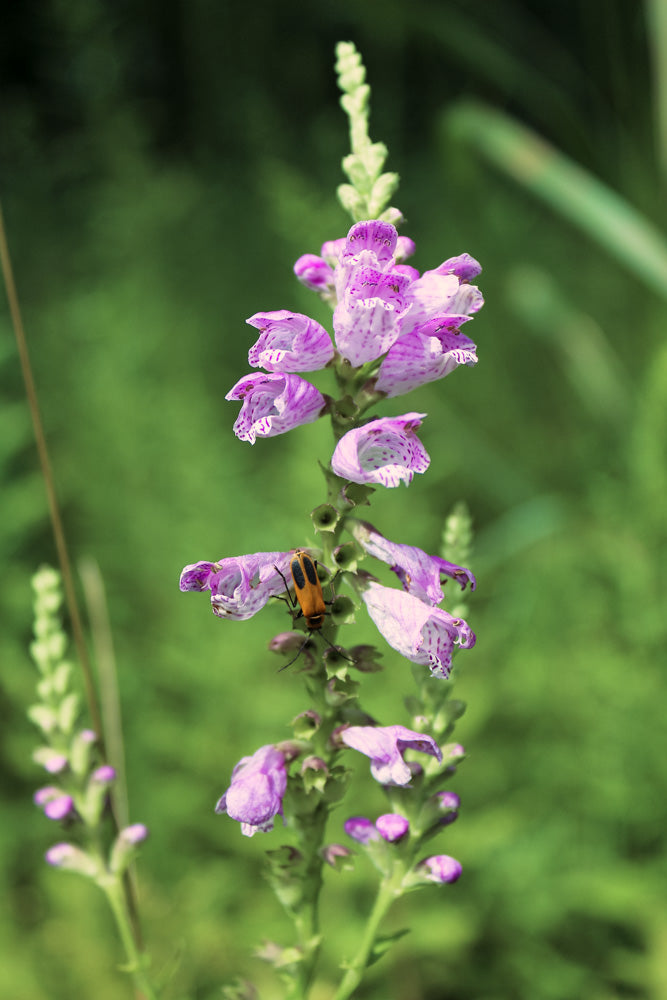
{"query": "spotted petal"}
{"type": "Point", "coordinates": [416, 630]}
{"type": "Point", "coordinates": [385, 745]}
{"type": "Point", "coordinates": [289, 342]}
{"type": "Point", "coordinates": [274, 404]}
{"type": "Point", "coordinates": [385, 451]}
{"type": "Point", "coordinates": [426, 354]}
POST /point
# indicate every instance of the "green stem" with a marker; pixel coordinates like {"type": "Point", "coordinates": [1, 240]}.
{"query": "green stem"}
{"type": "Point", "coordinates": [387, 893]}
{"type": "Point", "coordinates": [136, 960]}
{"type": "Point", "coordinates": [306, 920]}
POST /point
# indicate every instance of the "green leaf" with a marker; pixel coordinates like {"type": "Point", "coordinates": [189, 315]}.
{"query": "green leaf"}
{"type": "Point", "coordinates": [576, 194]}
{"type": "Point", "coordinates": [384, 943]}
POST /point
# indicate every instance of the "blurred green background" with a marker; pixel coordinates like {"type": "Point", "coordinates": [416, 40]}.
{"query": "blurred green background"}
{"type": "Point", "coordinates": [163, 167]}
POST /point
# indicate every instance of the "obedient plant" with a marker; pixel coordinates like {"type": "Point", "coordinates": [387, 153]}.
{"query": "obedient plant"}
{"type": "Point", "coordinates": [79, 785]}
{"type": "Point", "coordinates": [393, 329]}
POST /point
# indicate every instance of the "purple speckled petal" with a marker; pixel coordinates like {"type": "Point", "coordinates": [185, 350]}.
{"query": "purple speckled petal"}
{"type": "Point", "coordinates": [380, 237]}
{"type": "Point", "coordinates": [367, 319]}
{"type": "Point", "coordinates": [197, 576]}
{"type": "Point", "coordinates": [385, 451]}
{"type": "Point", "coordinates": [289, 342]}
{"type": "Point", "coordinates": [408, 270]}
{"type": "Point", "coordinates": [424, 355]}
{"type": "Point", "coordinates": [419, 573]}
{"type": "Point", "coordinates": [460, 574]}
{"type": "Point", "coordinates": [431, 295]}
{"type": "Point", "coordinates": [385, 745]}
{"type": "Point", "coordinates": [463, 266]}
{"type": "Point", "coordinates": [419, 632]}
{"type": "Point", "coordinates": [274, 404]}
{"type": "Point", "coordinates": [243, 584]}
{"type": "Point", "coordinates": [467, 300]}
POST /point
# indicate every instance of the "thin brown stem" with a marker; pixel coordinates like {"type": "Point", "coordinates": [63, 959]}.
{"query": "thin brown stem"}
{"type": "Point", "coordinates": [57, 525]}
{"type": "Point", "coordinates": [45, 464]}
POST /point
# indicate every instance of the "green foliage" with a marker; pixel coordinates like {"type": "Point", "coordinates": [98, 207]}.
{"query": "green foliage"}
{"type": "Point", "coordinates": [160, 181]}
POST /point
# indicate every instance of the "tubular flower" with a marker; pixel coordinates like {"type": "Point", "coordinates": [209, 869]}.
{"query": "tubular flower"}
{"type": "Point", "coordinates": [385, 745]}
{"type": "Point", "coordinates": [256, 792]}
{"type": "Point", "coordinates": [421, 633]}
{"type": "Point", "coordinates": [419, 573]}
{"type": "Point", "coordinates": [289, 342]}
{"type": "Point", "coordinates": [240, 585]}
{"type": "Point", "coordinates": [426, 354]}
{"type": "Point", "coordinates": [381, 302]}
{"type": "Point", "coordinates": [274, 404]}
{"type": "Point", "coordinates": [385, 451]}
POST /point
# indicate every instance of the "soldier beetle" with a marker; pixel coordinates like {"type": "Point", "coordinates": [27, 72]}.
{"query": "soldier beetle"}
{"type": "Point", "coordinates": [308, 597]}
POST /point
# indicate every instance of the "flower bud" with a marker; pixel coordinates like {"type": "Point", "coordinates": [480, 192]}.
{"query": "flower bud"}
{"type": "Point", "coordinates": [439, 868]}
{"type": "Point", "coordinates": [360, 829]}
{"type": "Point", "coordinates": [314, 272]}
{"type": "Point", "coordinates": [73, 859]}
{"type": "Point", "coordinates": [125, 846]}
{"type": "Point", "coordinates": [392, 827]}
{"type": "Point", "coordinates": [448, 804]}
{"type": "Point", "coordinates": [306, 724]}
{"type": "Point", "coordinates": [314, 773]}
{"type": "Point", "coordinates": [452, 754]}
{"type": "Point", "coordinates": [51, 760]}
{"type": "Point", "coordinates": [81, 750]}
{"type": "Point", "coordinates": [96, 793]}
{"type": "Point", "coordinates": [336, 856]}
{"type": "Point", "coordinates": [55, 803]}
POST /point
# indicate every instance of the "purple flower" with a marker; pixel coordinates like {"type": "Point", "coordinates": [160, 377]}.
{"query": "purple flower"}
{"type": "Point", "coordinates": [425, 354]}
{"type": "Point", "coordinates": [464, 267]}
{"type": "Point", "coordinates": [385, 745]}
{"type": "Point", "coordinates": [440, 868]}
{"type": "Point", "coordinates": [55, 803]}
{"type": "Point", "coordinates": [314, 272]}
{"type": "Point", "coordinates": [289, 342]}
{"type": "Point", "coordinates": [360, 829]}
{"type": "Point", "coordinates": [274, 404]}
{"type": "Point", "coordinates": [421, 633]}
{"type": "Point", "coordinates": [367, 319]}
{"type": "Point", "coordinates": [385, 451]}
{"type": "Point", "coordinates": [256, 792]}
{"type": "Point", "coordinates": [381, 302]}
{"type": "Point", "coordinates": [198, 576]}
{"type": "Point", "coordinates": [392, 826]}
{"type": "Point", "coordinates": [418, 572]}
{"type": "Point", "coordinates": [240, 585]}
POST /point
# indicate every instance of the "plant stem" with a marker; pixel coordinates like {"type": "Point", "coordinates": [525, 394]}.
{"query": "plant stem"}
{"type": "Point", "coordinates": [387, 893]}
{"type": "Point", "coordinates": [136, 960]}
